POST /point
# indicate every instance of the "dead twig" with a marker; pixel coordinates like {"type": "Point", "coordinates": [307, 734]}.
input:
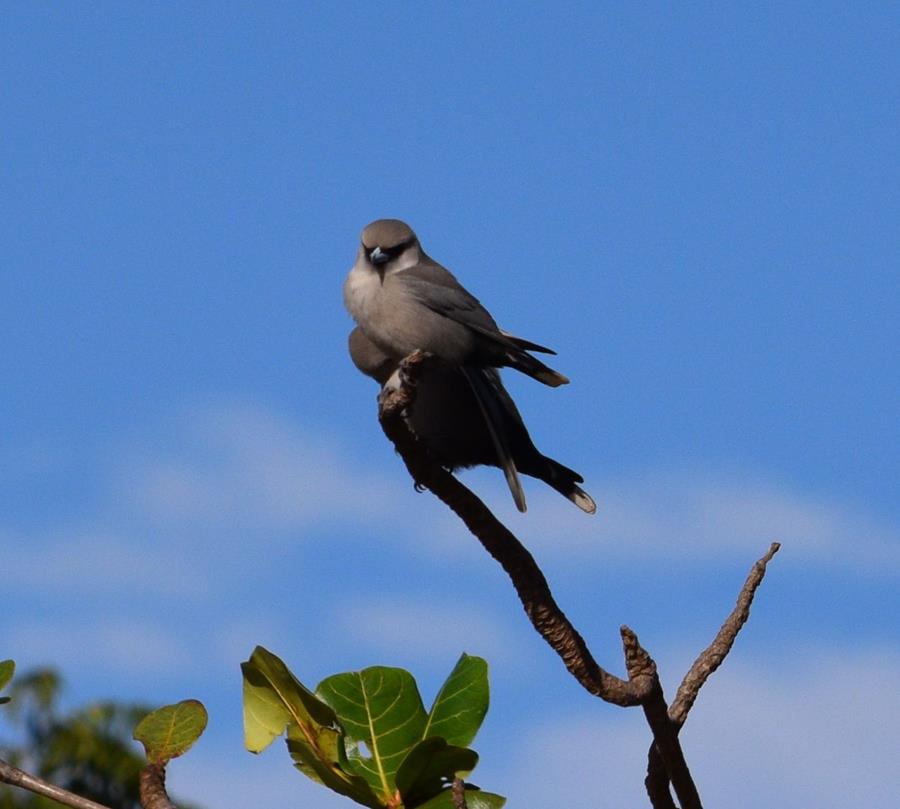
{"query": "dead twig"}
{"type": "Point", "coordinates": [657, 780]}
{"type": "Point", "coordinates": [152, 786]}
{"type": "Point", "coordinates": [712, 656]}
{"type": "Point", "coordinates": [19, 778]}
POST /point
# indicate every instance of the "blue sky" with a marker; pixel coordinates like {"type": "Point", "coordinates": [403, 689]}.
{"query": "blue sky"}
{"type": "Point", "coordinates": [697, 207]}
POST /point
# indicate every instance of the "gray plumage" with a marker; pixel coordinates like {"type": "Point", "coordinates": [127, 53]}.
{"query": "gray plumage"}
{"type": "Point", "coordinates": [465, 417]}
{"type": "Point", "coordinates": [403, 301]}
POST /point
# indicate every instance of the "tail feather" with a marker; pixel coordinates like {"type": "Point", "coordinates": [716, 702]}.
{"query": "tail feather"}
{"type": "Point", "coordinates": [491, 409]}
{"type": "Point", "coordinates": [524, 362]}
{"type": "Point", "coordinates": [561, 478]}
{"type": "Point", "coordinates": [580, 498]}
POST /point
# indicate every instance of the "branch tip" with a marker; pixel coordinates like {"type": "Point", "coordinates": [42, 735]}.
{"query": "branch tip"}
{"type": "Point", "coordinates": [638, 662]}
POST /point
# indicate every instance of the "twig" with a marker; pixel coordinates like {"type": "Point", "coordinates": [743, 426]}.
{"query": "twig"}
{"type": "Point", "coordinates": [712, 656]}
{"type": "Point", "coordinates": [458, 793]}
{"type": "Point", "coordinates": [153, 788]}
{"type": "Point", "coordinates": [19, 778]}
{"type": "Point", "coordinates": [657, 780]}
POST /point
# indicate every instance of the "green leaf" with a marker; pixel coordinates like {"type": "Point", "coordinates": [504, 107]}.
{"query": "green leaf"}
{"type": "Point", "coordinates": [273, 698]}
{"type": "Point", "coordinates": [475, 799]}
{"type": "Point", "coordinates": [171, 731]}
{"type": "Point", "coordinates": [380, 708]}
{"type": "Point", "coordinates": [430, 767]}
{"type": "Point", "coordinates": [276, 702]}
{"type": "Point", "coordinates": [461, 704]}
{"type": "Point", "coordinates": [7, 669]}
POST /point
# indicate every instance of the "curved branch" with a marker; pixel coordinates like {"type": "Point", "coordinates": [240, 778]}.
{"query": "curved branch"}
{"type": "Point", "coordinates": [642, 686]}
{"type": "Point", "coordinates": [530, 584]}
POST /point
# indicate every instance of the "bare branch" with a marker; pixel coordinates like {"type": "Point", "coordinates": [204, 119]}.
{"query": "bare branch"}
{"type": "Point", "coordinates": [668, 749]}
{"type": "Point", "coordinates": [642, 686]}
{"type": "Point", "coordinates": [458, 793]}
{"type": "Point", "coordinates": [666, 763]}
{"type": "Point", "coordinates": [19, 778]}
{"type": "Point", "coordinates": [657, 780]}
{"type": "Point", "coordinates": [641, 666]}
{"type": "Point", "coordinates": [712, 656]}
{"type": "Point", "coordinates": [153, 788]}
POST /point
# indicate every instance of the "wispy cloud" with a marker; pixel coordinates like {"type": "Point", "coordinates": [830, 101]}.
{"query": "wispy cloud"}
{"type": "Point", "coordinates": [237, 778]}
{"type": "Point", "coordinates": [685, 516]}
{"type": "Point", "coordinates": [235, 464]}
{"type": "Point", "coordinates": [111, 645]}
{"type": "Point", "coordinates": [241, 463]}
{"type": "Point", "coordinates": [391, 626]}
{"type": "Point", "coordinates": [226, 476]}
{"type": "Point", "coordinates": [236, 487]}
{"type": "Point", "coordinates": [94, 561]}
{"type": "Point", "coordinates": [818, 733]}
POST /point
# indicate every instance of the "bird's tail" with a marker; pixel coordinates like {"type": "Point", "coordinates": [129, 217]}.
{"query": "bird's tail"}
{"type": "Point", "coordinates": [492, 409]}
{"type": "Point", "coordinates": [524, 362]}
{"type": "Point", "coordinates": [566, 481]}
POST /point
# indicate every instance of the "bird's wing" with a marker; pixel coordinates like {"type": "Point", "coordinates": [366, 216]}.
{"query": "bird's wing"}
{"type": "Point", "coordinates": [436, 287]}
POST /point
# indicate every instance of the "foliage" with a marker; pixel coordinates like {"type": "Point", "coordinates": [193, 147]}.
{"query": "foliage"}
{"type": "Point", "coordinates": [366, 734]}
{"type": "Point", "coordinates": [87, 750]}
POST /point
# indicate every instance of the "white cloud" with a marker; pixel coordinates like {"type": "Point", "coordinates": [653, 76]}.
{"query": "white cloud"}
{"type": "Point", "coordinates": [391, 626]}
{"type": "Point", "coordinates": [123, 646]}
{"type": "Point", "coordinates": [95, 562]}
{"type": "Point", "coordinates": [235, 639]}
{"type": "Point", "coordinates": [232, 467]}
{"type": "Point", "coordinates": [244, 464]}
{"type": "Point", "coordinates": [685, 517]}
{"type": "Point", "coordinates": [233, 478]}
{"type": "Point", "coordinates": [239, 779]}
{"type": "Point", "coordinates": [815, 734]}
{"type": "Point", "coordinates": [819, 733]}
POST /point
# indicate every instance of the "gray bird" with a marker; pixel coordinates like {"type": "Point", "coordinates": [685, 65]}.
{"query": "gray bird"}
{"type": "Point", "coordinates": [465, 417]}
{"type": "Point", "coordinates": [403, 301]}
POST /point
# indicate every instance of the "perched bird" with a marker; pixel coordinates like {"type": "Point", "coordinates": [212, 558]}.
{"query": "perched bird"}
{"type": "Point", "coordinates": [465, 417]}
{"type": "Point", "coordinates": [403, 300]}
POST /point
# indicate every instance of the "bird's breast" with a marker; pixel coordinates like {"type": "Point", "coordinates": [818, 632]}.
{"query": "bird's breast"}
{"type": "Point", "coordinates": [361, 292]}
{"type": "Point", "coordinates": [397, 322]}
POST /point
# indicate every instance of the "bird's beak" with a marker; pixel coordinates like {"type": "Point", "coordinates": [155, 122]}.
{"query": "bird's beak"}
{"type": "Point", "coordinates": [378, 256]}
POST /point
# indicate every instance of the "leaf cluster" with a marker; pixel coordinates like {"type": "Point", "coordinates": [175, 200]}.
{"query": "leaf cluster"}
{"type": "Point", "coordinates": [366, 734]}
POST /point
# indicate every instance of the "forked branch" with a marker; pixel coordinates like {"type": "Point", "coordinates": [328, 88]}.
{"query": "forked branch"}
{"type": "Point", "coordinates": [666, 764]}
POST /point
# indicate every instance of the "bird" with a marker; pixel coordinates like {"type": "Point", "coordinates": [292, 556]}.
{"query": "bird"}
{"type": "Point", "coordinates": [465, 417]}
{"type": "Point", "coordinates": [404, 300]}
